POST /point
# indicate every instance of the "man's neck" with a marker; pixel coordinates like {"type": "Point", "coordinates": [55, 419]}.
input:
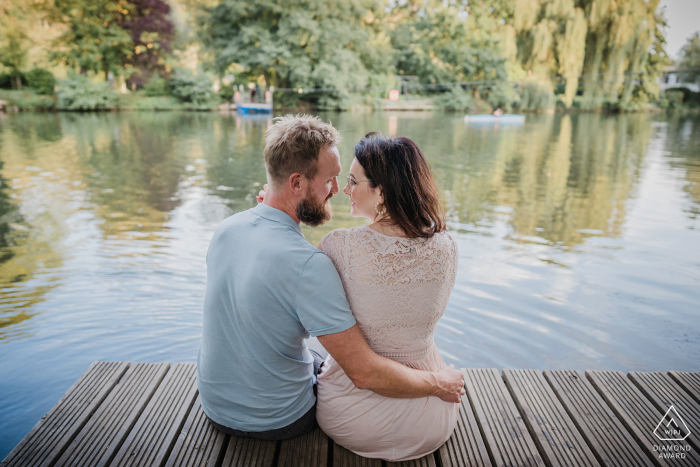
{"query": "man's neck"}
{"type": "Point", "coordinates": [283, 203]}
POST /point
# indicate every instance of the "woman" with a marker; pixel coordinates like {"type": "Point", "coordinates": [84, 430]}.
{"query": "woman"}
{"type": "Point", "coordinates": [398, 273]}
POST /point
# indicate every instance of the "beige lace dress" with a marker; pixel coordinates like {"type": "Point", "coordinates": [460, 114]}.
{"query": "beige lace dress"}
{"type": "Point", "coordinates": [397, 288]}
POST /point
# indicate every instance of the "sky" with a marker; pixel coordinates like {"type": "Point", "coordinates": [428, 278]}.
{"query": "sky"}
{"type": "Point", "coordinates": [683, 18]}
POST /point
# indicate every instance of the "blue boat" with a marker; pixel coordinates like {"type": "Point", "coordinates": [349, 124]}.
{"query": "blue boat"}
{"type": "Point", "coordinates": [510, 119]}
{"type": "Point", "coordinates": [254, 108]}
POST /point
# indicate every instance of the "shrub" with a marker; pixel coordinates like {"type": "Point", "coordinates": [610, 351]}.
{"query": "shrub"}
{"type": "Point", "coordinates": [227, 92]}
{"type": "Point", "coordinates": [536, 95]}
{"type": "Point", "coordinates": [188, 87]}
{"type": "Point", "coordinates": [42, 81]}
{"type": "Point", "coordinates": [455, 99]}
{"type": "Point", "coordinates": [682, 97]}
{"type": "Point", "coordinates": [137, 101]}
{"type": "Point", "coordinates": [674, 99]}
{"type": "Point", "coordinates": [28, 100]}
{"type": "Point", "coordinates": [157, 87]}
{"type": "Point", "coordinates": [501, 96]}
{"type": "Point", "coordinates": [79, 93]}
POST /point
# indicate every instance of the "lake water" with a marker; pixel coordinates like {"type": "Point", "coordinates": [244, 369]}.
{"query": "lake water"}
{"type": "Point", "coordinates": [579, 239]}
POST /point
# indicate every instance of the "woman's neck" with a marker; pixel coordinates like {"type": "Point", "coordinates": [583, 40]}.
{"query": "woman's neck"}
{"type": "Point", "coordinates": [387, 227]}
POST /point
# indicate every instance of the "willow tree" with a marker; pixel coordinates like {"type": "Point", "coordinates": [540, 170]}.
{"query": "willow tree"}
{"type": "Point", "coordinates": [620, 36]}
{"type": "Point", "coordinates": [547, 39]}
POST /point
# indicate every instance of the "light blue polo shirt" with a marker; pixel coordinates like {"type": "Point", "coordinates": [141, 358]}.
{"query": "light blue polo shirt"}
{"type": "Point", "coordinates": [268, 289]}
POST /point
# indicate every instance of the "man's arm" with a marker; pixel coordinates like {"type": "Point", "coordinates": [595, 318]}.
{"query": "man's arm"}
{"type": "Point", "coordinates": [386, 377]}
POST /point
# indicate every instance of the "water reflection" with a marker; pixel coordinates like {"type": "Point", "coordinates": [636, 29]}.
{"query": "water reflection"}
{"type": "Point", "coordinates": [578, 238]}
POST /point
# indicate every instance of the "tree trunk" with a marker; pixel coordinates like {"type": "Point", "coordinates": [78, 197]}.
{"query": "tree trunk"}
{"type": "Point", "coordinates": [18, 82]}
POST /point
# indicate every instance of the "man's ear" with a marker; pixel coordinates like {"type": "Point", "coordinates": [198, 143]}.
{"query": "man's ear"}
{"type": "Point", "coordinates": [298, 184]}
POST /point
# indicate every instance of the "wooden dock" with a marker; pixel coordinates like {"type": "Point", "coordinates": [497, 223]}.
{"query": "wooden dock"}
{"type": "Point", "coordinates": [148, 414]}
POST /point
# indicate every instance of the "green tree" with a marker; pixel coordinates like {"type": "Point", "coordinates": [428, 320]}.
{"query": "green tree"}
{"type": "Point", "coordinates": [300, 44]}
{"type": "Point", "coordinates": [441, 42]}
{"type": "Point", "coordinates": [14, 43]}
{"type": "Point", "coordinates": [13, 55]}
{"type": "Point", "coordinates": [94, 39]}
{"type": "Point", "coordinates": [690, 60]}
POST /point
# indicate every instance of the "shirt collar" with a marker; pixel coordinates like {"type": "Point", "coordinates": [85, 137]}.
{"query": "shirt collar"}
{"type": "Point", "coordinates": [274, 214]}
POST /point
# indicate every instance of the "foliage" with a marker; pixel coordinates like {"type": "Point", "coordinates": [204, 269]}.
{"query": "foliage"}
{"type": "Point", "coordinates": [681, 97]}
{"type": "Point", "coordinates": [152, 33]}
{"type": "Point", "coordinates": [80, 93]}
{"type": "Point", "coordinates": [42, 81]}
{"type": "Point", "coordinates": [185, 86]}
{"type": "Point", "coordinates": [690, 58]}
{"type": "Point", "coordinates": [301, 44]}
{"type": "Point", "coordinates": [7, 80]}
{"type": "Point", "coordinates": [137, 101]}
{"type": "Point", "coordinates": [156, 87]}
{"type": "Point", "coordinates": [439, 43]}
{"type": "Point", "coordinates": [536, 95]}
{"type": "Point", "coordinates": [94, 39]}
{"type": "Point", "coordinates": [13, 55]}
{"type": "Point", "coordinates": [455, 99]}
{"type": "Point", "coordinates": [674, 99]}
{"type": "Point", "coordinates": [226, 93]}
{"type": "Point", "coordinates": [27, 100]}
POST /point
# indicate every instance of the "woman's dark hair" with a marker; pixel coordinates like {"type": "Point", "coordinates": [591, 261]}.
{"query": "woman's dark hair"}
{"type": "Point", "coordinates": [398, 166]}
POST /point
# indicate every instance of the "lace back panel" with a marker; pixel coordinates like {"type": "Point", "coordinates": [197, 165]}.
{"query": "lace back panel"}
{"type": "Point", "coordinates": [397, 287]}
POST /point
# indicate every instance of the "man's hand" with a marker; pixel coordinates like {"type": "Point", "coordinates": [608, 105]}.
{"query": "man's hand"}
{"type": "Point", "coordinates": [450, 383]}
{"type": "Point", "coordinates": [387, 377]}
{"type": "Point", "coordinates": [261, 194]}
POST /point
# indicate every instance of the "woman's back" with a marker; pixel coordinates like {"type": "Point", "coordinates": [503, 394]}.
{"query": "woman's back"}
{"type": "Point", "coordinates": [397, 288]}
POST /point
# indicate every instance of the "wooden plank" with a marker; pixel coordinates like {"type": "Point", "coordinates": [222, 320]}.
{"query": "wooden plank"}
{"type": "Point", "coordinates": [199, 444]}
{"type": "Point", "coordinates": [688, 381]}
{"type": "Point", "coordinates": [310, 449]}
{"type": "Point", "coordinates": [156, 431]}
{"type": "Point", "coordinates": [99, 440]}
{"type": "Point", "coordinates": [610, 442]}
{"type": "Point", "coordinates": [249, 452]}
{"type": "Point", "coordinates": [505, 434]}
{"type": "Point", "coordinates": [465, 446]}
{"type": "Point", "coordinates": [638, 415]}
{"type": "Point", "coordinates": [553, 431]}
{"type": "Point", "coordinates": [663, 392]}
{"type": "Point", "coordinates": [49, 438]}
{"type": "Point", "coordinates": [425, 461]}
{"type": "Point", "coordinates": [345, 458]}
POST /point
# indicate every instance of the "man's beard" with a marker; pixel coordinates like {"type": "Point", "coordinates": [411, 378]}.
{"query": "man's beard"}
{"type": "Point", "coordinates": [314, 214]}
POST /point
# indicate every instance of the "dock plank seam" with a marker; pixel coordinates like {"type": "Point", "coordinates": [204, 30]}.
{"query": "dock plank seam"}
{"type": "Point", "coordinates": [607, 438]}
{"type": "Point", "coordinates": [51, 436]}
{"type": "Point", "coordinates": [553, 431]}
{"type": "Point", "coordinates": [635, 412]}
{"type": "Point", "coordinates": [98, 441]}
{"type": "Point", "coordinates": [690, 382]}
{"type": "Point", "coordinates": [466, 445]}
{"type": "Point", "coordinates": [199, 444]}
{"type": "Point", "coordinates": [664, 392]}
{"type": "Point", "coordinates": [506, 437]}
{"type": "Point", "coordinates": [155, 432]}
{"type": "Point", "coordinates": [345, 458]}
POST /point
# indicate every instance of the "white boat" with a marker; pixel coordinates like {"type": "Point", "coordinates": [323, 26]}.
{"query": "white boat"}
{"type": "Point", "coordinates": [486, 118]}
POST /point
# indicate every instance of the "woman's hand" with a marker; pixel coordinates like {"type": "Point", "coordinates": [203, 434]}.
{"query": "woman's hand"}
{"type": "Point", "coordinates": [261, 195]}
{"type": "Point", "coordinates": [450, 384]}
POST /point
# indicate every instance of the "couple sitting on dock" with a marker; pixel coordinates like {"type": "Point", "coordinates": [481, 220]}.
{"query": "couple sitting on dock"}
{"type": "Point", "coordinates": [340, 335]}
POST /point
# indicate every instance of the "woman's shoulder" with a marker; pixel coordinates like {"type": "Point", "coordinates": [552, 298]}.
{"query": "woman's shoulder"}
{"type": "Point", "coordinates": [444, 242]}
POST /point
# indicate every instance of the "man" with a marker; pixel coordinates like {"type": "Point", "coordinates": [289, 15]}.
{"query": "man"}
{"type": "Point", "coordinates": [268, 290]}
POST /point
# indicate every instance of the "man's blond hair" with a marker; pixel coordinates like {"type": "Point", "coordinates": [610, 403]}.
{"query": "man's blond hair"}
{"type": "Point", "coordinates": [293, 144]}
